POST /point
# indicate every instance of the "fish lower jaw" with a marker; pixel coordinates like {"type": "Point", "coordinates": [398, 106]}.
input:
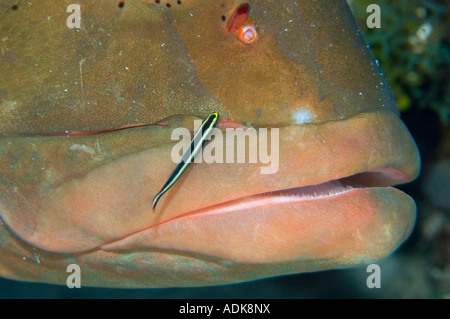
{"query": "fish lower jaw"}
{"type": "Point", "coordinates": [355, 217]}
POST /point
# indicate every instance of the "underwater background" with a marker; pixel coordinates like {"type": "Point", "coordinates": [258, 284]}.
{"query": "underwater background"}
{"type": "Point", "coordinates": [412, 46]}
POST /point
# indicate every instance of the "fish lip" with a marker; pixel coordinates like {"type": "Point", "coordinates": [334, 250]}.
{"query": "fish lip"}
{"type": "Point", "coordinates": [398, 163]}
{"type": "Point", "coordinates": [382, 177]}
{"type": "Point", "coordinates": [259, 199]}
{"type": "Point", "coordinates": [376, 178]}
{"type": "Point", "coordinates": [246, 214]}
{"type": "Point", "coordinates": [391, 159]}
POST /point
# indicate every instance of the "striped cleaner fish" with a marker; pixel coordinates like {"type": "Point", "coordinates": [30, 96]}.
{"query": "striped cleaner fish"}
{"type": "Point", "coordinates": [188, 157]}
{"type": "Point", "coordinates": [91, 93]}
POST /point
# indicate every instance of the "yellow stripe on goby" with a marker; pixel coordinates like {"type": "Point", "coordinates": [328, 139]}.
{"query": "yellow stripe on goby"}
{"type": "Point", "coordinates": [188, 157]}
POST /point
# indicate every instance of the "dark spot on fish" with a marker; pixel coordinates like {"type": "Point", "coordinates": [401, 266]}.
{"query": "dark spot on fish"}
{"type": "Point", "coordinates": [168, 5]}
{"type": "Point", "coordinates": [14, 7]}
{"type": "Point", "coordinates": [178, 1]}
{"type": "Point", "coordinates": [157, 1]}
{"type": "Point", "coordinates": [223, 18]}
{"type": "Point", "coordinates": [121, 4]}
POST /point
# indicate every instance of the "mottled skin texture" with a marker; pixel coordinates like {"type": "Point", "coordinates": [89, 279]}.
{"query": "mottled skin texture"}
{"type": "Point", "coordinates": [68, 198]}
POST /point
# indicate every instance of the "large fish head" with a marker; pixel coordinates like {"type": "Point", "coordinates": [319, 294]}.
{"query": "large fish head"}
{"type": "Point", "coordinates": [87, 116]}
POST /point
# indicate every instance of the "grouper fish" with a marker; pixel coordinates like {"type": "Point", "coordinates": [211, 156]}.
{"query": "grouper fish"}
{"type": "Point", "coordinates": [90, 96]}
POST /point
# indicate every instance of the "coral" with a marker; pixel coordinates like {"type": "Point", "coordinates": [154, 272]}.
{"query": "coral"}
{"type": "Point", "coordinates": [413, 48]}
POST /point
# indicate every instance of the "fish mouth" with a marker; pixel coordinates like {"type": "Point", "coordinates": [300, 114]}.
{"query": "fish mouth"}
{"type": "Point", "coordinates": [345, 220]}
{"type": "Point", "coordinates": [361, 181]}
{"type": "Point", "coordinates": [330, 203]}
{"type": "Point", "coordinates": [355, 219]}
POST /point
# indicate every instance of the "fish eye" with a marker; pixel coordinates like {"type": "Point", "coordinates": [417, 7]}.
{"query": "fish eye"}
{"type": "Point", "coordinates": [247, 33]}
{"type": "Point", "coordinates": [240, 22]}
